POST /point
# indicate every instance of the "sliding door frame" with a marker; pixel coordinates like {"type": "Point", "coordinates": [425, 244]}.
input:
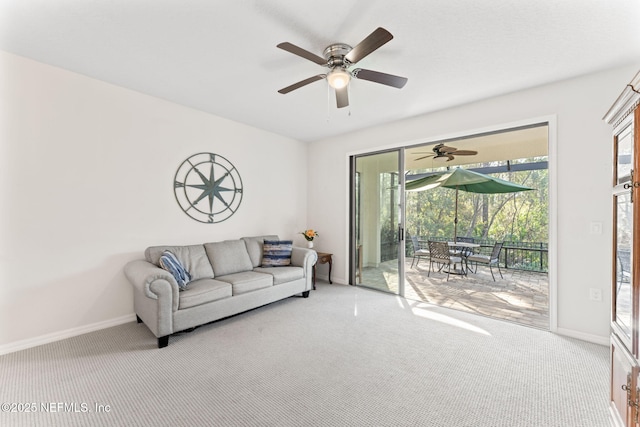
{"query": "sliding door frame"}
{"type": "Point", "coordinates": [353, 216]}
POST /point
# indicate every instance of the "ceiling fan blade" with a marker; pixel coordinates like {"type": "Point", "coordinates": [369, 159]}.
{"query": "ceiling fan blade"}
{"type": "Point", "coordinates": [378, 77]}
{"type": "Point", "coordinates": [342, 97]}
{"type": "Point", "coordinates": [465, 153]}
{"type": "Point", "coordinates": [372, 42]}
{"type": "Point", "coordinates": [424, 157]}
{"type": "Point", "coordinates": [450, 157]}
{"type": "Point", "coordinates": [446, 149]}
{"type": "Point", "coordinates": [301, 83]}
{"type": "Point", "coordinates": [291, 48]}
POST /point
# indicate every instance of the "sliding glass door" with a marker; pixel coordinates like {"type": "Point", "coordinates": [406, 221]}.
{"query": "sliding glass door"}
{"type": "Point", "coordinates": [377, 237]}
{"type": "Point", "coordinates": [383, 215]}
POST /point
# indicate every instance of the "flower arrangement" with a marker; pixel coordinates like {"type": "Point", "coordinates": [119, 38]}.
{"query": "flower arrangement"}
{"type": "Point", "coordinates": [310, 234]}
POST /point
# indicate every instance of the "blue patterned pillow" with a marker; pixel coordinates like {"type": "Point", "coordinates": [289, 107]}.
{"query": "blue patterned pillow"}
{"type": "Point", "coordinates": [169, 262]}
{"type": "Point", "coordinates": [276, 253]}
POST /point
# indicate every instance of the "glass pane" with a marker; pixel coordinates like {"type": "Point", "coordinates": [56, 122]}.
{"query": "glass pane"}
{"type": "Point", "coordinates": [625, 154]}
{"type": "Point", "coordinates": [377, 199]}
{"type": "Point", "coordinates": [624, 238]}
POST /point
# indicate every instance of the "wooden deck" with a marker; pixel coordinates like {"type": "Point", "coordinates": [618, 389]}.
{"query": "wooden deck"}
{"type": "Point", "coordinates": [521, 296]}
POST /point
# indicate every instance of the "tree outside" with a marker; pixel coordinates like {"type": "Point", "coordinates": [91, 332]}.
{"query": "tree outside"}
{"type": "Point", "coordinates": [518, 219]}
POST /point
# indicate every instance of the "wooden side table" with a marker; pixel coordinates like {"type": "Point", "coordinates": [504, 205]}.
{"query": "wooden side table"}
{"type": "Point", "coordinates": [323, 258]}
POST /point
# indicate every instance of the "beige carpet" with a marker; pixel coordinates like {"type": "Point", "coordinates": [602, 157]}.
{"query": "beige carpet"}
{"type": "Point", "coordinates": [343, 357]}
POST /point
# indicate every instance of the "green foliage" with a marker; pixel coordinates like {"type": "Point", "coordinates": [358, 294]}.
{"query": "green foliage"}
{"type": "Point", "coordinates": [519, 216]}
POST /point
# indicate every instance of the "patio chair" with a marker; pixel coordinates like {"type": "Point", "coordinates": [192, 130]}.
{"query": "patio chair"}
{"type": "Point", "coordinates": [468, 251]}
{"type": "Point", "coordinates": [440, 255]}
{"type": "Point", "coordinates": [465, 252]}
{"type": "Point", "coordinates": [489, 260]}
{"type": "Point", "coordinates": [418, 251]}
{"type": "Point", "coordinates": [623, 268]}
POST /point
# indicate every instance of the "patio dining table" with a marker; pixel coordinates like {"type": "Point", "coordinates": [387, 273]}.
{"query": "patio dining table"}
{"type": "Point", "coordinates": [464, 244]}
{"type": "Point", "coordinates": [463, 249]}
{"type": "Point", "coordinates": [468, 245]}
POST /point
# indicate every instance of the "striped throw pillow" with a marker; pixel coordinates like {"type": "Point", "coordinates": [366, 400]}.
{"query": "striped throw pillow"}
{"type": "Point", "coordinates": [170, 262]}
{"type": "Point", "coordinates": [276, 253]}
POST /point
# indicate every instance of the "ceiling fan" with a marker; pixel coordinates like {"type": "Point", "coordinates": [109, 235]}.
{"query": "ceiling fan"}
{"type": "Point", "coordinates": [338, 57]}
{"type": "Point", "coordinates": [443, 153]}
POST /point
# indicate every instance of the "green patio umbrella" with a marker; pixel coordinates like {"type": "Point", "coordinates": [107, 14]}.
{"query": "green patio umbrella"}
{"type": "Point", "coordinates": [465, 180]}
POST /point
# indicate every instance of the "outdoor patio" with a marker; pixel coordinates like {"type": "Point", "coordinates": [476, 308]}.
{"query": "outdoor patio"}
{"type": "Point", "coordinates": [520, 297]}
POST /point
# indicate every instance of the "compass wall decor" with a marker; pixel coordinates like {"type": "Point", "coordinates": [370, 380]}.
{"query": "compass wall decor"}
{"type": "Point", "coordinates": [208, 187]}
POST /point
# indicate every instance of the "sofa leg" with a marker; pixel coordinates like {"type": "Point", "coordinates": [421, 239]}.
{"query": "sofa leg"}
{"type": "Point", "coordinates": [305, 294]}
{"type": "Point", "coordinates": [163, 341]}
{"type": "Point", "coordinates": [138, 319]}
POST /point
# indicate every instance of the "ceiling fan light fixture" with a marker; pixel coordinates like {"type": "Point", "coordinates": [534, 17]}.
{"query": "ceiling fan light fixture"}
{"type": "Point", "coordinates": [338, 78]}
{"type": "Point", "coordinates": [338, 57]}
{"type": "Point", "coordinates": [441, 159]}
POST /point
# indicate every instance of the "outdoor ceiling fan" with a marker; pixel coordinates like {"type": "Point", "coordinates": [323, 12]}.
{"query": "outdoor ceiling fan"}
{"type": "Point", "coordinates": [338, 57]}
{"type": "Point", "coordinates": [445, 154]}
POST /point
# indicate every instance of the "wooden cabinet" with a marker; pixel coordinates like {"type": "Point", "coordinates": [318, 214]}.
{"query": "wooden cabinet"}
{"type": "Point", "coordinates": [624, 116]}
{"type": "Point", "coordinates": [623, 382]}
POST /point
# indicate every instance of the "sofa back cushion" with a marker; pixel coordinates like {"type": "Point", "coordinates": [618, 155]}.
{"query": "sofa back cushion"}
{"type": "Point", "coordinates": [228, 257]}
{"type": "Point", "coordinates": [255, 248]}
{"type": "Point", "coordinates": [193, 258]}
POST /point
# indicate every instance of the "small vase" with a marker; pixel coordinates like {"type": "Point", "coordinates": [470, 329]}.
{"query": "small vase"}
{"type": "Point", "coordinates": [310, 244]}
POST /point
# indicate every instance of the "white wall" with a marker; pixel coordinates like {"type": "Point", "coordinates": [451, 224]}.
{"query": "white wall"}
{"type": "Point", "coordinates": [584, 153]}
{"type": "Point", "coordinates": [86, 184]}
{"type": "Point", "coordinates": [86, 171]}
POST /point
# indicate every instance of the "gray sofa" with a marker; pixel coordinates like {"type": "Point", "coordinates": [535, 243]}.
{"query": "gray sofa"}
{"type": "Point", "coordinates": [226, 279]}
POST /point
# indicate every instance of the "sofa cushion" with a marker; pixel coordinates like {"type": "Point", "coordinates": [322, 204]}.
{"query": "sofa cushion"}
{"type": "Point", "coordinates": [228, 257]}
{"type": "Point", "coordinates": [193, 258]}
{"type": "Point", "coordinates": [203, 291]}
{"type": "Point", "coordinates": [254, 247]}
{"type": "Point", "coordinates": [276, 253]}
{"type": "Point", "coordinates": [169, 262]}
{"type": "Point", "coordinates": [247, 281]}
{"type": "Point", "coordinates": [282, 274]}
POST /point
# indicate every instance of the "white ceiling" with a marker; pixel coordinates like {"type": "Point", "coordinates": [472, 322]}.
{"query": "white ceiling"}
{"type": "Point", "coordinates": [221, 56]}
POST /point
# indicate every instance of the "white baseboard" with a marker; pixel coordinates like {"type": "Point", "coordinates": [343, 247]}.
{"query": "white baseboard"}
{"type": "Point", "coordinates": [596, 339]}
{"type": "Point", "coordinates": [61, 335]}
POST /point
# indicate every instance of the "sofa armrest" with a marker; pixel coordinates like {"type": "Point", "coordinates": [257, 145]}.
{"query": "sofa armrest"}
{"type": "Point", "coordinates": [152, 282]}
{"type": "Point", "coordinates": [305, 258]}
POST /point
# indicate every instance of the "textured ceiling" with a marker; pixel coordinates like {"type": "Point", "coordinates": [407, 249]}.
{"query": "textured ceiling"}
{"type": "Point", "coordinates": [221, 56]}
